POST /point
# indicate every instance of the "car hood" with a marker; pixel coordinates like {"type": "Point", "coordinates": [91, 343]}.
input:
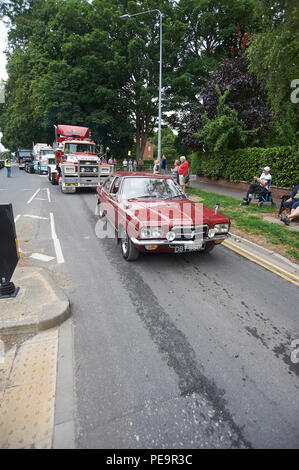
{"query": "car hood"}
{"type": "Point", "coordinates": [172, 213]}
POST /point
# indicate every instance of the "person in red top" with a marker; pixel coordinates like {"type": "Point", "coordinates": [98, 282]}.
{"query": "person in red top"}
{"type": "Point", "coordinates": [183, 171]}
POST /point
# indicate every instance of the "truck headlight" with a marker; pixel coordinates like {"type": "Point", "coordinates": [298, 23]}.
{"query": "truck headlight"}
{"type": "Point", "coordinates": [151, 232]}
{"type": "Point", "coordinates": [221, 228]}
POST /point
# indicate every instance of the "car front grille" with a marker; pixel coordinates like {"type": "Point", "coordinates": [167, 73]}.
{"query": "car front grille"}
{"type": "Point", "coordinates": [189, 232]}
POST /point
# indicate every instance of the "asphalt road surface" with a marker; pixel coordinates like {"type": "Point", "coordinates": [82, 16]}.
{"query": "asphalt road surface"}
{"type": "Point", "coordinates": [172, 351]}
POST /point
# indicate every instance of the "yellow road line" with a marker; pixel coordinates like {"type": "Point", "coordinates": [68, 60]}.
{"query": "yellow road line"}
{"type": "Point", "coordinates": [262, 259]}
{"type": "Point", "coordinates": [261, 264]}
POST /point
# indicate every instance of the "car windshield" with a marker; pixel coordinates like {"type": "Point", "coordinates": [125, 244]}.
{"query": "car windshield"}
{"type": "Point", "coordinates": [150, 188]}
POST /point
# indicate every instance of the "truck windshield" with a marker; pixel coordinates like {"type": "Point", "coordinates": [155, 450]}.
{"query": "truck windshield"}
{"type": "Point", "coordinates": [49, 152]}
{"type": "Point", "coordinates": [25, 153]}
{"type": "Point", "coordinates": [79, 148]}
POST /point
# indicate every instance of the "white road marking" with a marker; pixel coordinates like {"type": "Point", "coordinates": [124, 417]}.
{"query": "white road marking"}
{"type": "Point", "coordinates": [40, 199]}
{"type": "Point", "coordinates": [17, 217]}
{"type": "Point", "coordinates": [49, 196]}
{"type": "Point", "coordinates": [57, 246]}
{"type": "Point", "coordinates": [41, 257]}
{"type": "Point", "coordinates": [31, 199]}
{"type": "Point", "coordinates": [35, 217]}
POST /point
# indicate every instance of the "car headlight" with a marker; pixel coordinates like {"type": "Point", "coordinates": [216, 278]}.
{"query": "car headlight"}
{"type": "Point", "coordinates": [221, 228]}
{"type": "Point", "coordinates": [151, 232]}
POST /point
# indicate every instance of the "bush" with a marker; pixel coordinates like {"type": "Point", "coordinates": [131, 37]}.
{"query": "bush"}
{"type": "Point", "coordinates": [243, 164]}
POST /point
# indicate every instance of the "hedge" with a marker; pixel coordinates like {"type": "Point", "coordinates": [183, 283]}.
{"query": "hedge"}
{"type": "Point", "coordinates": [243, 164]}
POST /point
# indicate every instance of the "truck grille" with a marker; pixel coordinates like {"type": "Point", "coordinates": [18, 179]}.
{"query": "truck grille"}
{"type": "Point", "coordinates": [190, 232]}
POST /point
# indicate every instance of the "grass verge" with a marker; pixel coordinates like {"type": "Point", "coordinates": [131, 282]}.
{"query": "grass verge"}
{"type": "Point", "coordinates": [248, 221]}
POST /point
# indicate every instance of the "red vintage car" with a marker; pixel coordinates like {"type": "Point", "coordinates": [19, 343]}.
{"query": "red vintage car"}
{"type": "Point", "coordinates": [151, 213]}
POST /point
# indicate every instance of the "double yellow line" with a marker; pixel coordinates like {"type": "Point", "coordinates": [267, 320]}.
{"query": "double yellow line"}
{"type": "Point", "coordinates": [262, 262]}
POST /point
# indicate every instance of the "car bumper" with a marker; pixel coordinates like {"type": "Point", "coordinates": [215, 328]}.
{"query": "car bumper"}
{"type": "Point", "coordinates": [177, 245]}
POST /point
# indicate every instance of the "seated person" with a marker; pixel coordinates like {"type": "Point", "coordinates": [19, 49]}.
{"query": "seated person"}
{"type": "Point", "coordinates": [294, 197]}
{"type": "Point", "coordinates": [262, 183]}
{"type": "Point", "coordinates": [294, 213]}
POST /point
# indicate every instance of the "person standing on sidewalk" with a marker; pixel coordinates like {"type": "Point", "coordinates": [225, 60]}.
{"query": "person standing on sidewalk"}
{"type": "Point", "coordinates": [8, 167]}
{"type": "Point", "coordinates": [163, 163]}
{"type": "Point", "coordinates": [183, 172]}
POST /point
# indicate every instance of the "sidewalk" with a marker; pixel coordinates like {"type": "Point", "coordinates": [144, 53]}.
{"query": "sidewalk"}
{"type": "Point", "coordinates": [28, 361]}
{"type": "Point", "coordinates": [195, 182]}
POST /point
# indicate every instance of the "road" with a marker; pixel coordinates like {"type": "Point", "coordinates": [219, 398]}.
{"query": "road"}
{"type": "Point", "coordinates": [172, 351]}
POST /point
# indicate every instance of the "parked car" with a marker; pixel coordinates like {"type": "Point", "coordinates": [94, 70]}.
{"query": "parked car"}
{"type": "Point", "coordinates": [151, 213]}
{"type": "Point", "coordinates": [1, 164]}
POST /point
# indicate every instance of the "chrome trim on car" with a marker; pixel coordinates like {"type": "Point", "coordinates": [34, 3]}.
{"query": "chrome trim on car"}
{"type": "Point", "coordinates": [150, 241]}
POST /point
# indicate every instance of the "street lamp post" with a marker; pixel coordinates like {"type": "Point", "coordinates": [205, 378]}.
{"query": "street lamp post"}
{"type": "Point", "coordinates": [126, 16]}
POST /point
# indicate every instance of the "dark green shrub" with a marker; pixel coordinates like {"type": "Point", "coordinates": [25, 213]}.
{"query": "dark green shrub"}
{"type": "Point", "coordinates": [243, 164]}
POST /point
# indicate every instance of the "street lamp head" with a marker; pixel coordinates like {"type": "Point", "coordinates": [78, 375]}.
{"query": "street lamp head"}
{"type": "Point", "coordinates": [125, 17]}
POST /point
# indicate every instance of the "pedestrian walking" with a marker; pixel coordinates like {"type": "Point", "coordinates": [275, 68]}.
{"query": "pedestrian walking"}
{"type": "Point", "coordinates": [135, 165]}
{"type": "Point", "coordinates": [130, 166]}
{"type": "Point", "coordinates": [8, 166]}
{"type": "Point", "coordinates": [125, 164]}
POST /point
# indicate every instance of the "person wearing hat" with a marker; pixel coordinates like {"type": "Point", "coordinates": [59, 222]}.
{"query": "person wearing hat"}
{"type": "Point", "coordinates": [262, 183]}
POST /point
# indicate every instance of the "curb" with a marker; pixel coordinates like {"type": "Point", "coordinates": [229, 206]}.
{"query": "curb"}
{"type": "Point", "coordinates": [50, 314]}
{"type": "Point", "coordinates": [267, 251]}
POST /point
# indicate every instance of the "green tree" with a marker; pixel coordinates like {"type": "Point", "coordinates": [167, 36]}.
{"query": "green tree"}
{"type": "Point", "coordinates": [168, 142]}
{"type": "Point", "coordinates": [226, 131]}
{"type": "Point", "coordinates": [205, 31]}
{"type": "Point", "coordinates": [273, 56]}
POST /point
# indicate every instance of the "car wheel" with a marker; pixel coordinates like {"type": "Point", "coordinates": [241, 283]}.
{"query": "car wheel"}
{"type": "Point", "coordinates": [128, 250]}
{"type": "Point", "coordinates": [209, 248]}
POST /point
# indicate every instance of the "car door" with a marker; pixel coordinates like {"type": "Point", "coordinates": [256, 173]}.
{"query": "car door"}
{"type": "Point", "coordinates": [112, 199]}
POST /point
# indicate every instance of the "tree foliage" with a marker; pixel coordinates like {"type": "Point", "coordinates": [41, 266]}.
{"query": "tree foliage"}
{"type": "Point", "coordinates": [273, 56]}
{"type": "Point", "coordinates": [225, 131]}
{"type": "Point", "coordinates": [245, 98]}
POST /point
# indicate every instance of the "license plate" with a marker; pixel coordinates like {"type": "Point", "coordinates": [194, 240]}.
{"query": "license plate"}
{"type": "Point", "coordinates": [183, 248]}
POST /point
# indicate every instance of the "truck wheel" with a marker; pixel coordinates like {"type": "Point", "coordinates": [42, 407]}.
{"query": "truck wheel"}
{"type": "Point", "coordinates": [49, 175]}
{"type": "Point", "coordinates": [128, 250]}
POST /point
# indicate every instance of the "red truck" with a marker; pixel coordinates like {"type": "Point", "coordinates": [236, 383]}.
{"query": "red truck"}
{"type": "Point", "coordinates": [76, 159]}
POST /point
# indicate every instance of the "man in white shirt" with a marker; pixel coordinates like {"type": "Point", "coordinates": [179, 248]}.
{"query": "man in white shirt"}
{"type": "Point", "coordinates": [262, 183]}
